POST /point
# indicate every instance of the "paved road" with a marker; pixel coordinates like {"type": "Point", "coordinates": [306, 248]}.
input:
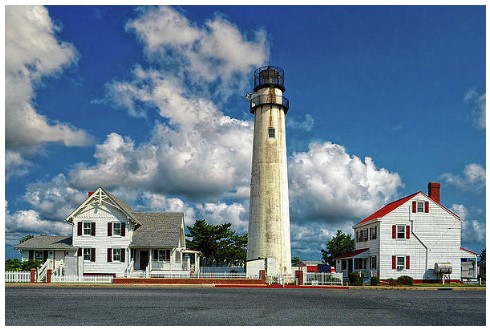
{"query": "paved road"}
{"type": "Point", "coordinates": [226, 306]}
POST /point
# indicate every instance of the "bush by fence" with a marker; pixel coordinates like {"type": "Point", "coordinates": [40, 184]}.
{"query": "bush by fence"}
{"type": "Point", "coordinates": [356, 278]}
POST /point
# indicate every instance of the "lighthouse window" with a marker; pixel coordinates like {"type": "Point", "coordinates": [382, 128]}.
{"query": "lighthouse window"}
{"type": "Point", "coordinates": [272, 133]}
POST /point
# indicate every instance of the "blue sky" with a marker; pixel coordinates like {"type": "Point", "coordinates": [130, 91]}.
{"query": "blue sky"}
{"type": "Point", "coordinates": [148, 103]}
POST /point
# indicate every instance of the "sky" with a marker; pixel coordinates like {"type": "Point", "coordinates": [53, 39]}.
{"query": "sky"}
{"type": "Point", "coordinates": [148, 103]}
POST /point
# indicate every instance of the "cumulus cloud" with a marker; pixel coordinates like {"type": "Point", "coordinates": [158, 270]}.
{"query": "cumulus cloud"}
{"type": "Point", "coordinates": [478, 102]}
{"type": "Point", "coordinates": [215, 52]}
{"type": "Point", "coordinates": [473, 178]}
{"type": "Point", "coordinates": [328, 184]}
{"type": "Point", "coordinates": [25, 222]}
{"type": "Point", "coordinates": [32, 52]}
{"type": "Point", "coordinates": [306, 125]}
{"type": "Point", "coordinates": [472, 231]}
{"type": "Point", "coordinates": [459, 210]}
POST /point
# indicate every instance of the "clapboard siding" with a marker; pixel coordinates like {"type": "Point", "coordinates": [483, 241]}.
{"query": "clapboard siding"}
{"type": "Point", "coordinates": [434, 237]}
{"type": "Point", "coordinates": [102, 215]}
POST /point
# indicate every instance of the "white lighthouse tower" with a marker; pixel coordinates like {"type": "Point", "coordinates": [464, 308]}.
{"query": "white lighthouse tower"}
{"type": "Point", "coordinates": [268, 226]}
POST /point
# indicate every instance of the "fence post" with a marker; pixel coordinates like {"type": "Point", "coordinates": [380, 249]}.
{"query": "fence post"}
{"type": "Point", "coordinates": [299, 277]}
{"type": "Point", "coordinates": [33, 275]}
{"type": "Point", "coordinates": [262, 275]}
{"type": "Point", "coordinates": [48, 276]}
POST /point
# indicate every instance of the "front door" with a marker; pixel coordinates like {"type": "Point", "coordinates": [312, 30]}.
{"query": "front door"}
{"type": "Point", "coordinates": [143, 259]}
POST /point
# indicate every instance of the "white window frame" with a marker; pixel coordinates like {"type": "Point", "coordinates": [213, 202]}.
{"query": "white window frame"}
{"type": "Point", "coordinates": [398, 232]}
{"type": "Point", "coordinates": [373, 260]}
{"type": "Point", "coordinates": [116, 255]}
{"type": "Point", "coordinates": [400, 265]}
{"type": "Point", "coordinates": [87, 228]}
{"type": "Point", "coordinates": [114, 230]}
{"type": "Point", "coordinates": [373, 233]}
{"type": "Point", "coordinates": [162, 255]}
{"type": "Point", "coordinates": [420, 206]}
{"type": "Point", "coordinates": [38, 255]}
{"type": "Point", "coordinates": [87, 252]}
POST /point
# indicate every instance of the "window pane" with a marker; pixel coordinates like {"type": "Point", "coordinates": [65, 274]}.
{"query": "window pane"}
{"type": "Point", "coordinates": [116, 254]}
{"type": "Point", "coordinates": [400, 262]}
{"type": "Point", "coordinates": [87, 254]}
{"type": "Point", "coordinates": [420, 207]}
{"type": "Point", "coordinates": [117, 229]}
{"type": "Point", "coordinates": [272, 133]}
{"type": "Point", "coordinates": [87, 228]}
{"type": "Point", "coordinates": [400, 232]}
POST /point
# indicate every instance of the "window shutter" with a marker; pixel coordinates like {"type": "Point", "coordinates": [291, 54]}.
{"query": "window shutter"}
{"type": "Point", "coordinates": [407, 262]}
{"type": "Point", "coordinates": [123, 229]}
{"type": "Point", "coordinates": [93, 254]}
{"type": "Point", "coordinates": [123, 258]}
{"type": "Point", "coordinates": [407, 235]}
{"type": "Point", "coordinates": [79, 231]}
{"type": "Point", "coordinates": [93, 229]}
{"type": "Point", "coordinates": [426, 207]}
{"type": "Point", "coordinates": [109, 229]}
{"type": "Point", "coordinates": [414, 206]}
{"type": "Point", "coordinates": [393, 262]}
{"type": "Point", "coordinates": [109, 255]}
{"type": "Point", "coordinates": [80, 251]}
{"type": "Point", "coordinates": [393, 232]}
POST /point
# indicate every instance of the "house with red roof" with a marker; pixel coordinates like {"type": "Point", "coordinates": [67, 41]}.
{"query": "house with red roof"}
{"type": "Point", "coordinates": [415, 236]}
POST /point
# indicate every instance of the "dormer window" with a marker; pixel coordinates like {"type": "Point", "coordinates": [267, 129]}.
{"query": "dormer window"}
{"type": "Point", "coordinates": [420, 206]}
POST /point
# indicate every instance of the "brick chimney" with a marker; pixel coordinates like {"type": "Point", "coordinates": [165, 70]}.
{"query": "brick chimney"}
{"type": "Point", "coordinates": [90, 193]}
{"type": "Point", "coordinates": [435, 191]}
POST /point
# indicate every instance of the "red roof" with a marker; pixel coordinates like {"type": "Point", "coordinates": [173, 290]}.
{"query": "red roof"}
{"type": "Point", "coordinates": [395, 204]}
{"type": "Point", "coordinates": [387, 209]}
{"type": "Point", "coordinates": [352, 253]}
{"type": "Point", "coordinates": [468, 251]}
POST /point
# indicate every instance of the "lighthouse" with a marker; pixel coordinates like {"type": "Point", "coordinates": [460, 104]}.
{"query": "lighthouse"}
{"type": "Point", "coordinates": [268, 226]}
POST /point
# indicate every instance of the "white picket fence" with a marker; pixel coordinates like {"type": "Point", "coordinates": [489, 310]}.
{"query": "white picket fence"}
{"type": "Point", "coordinates": [328, 279]}
{"type": "Point", "coordinates": [84, 278]}
{"type": "Point", "coordinates": [16, 277]}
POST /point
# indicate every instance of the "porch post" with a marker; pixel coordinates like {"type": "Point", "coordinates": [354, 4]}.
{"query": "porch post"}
{"type": "Point", "coordinates": [150, 257]}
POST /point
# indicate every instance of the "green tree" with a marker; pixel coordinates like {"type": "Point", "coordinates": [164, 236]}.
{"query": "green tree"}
{"type": "Point", "coordinates": [218, 243]}
{"type": "Point", "coordinates": [340, 244]}
{"type": "Point", "coordinates": [295, 261]}
{"type": "Point", "coordinates": [25, 238]}
{"type": "Point", "coordinates": [13, 265]}
{"type": "Point", "coordinates": [483, 254]}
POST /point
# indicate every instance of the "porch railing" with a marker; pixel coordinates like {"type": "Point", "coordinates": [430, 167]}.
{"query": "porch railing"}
{"type": "Point", "coordinates": [168, 266]}
{"type": "Point", "coordinates": [43, 271]}
{"type": "Point", "coordinates": [82, 278]}
{"type": "Point", "coordinates": [329, 279]}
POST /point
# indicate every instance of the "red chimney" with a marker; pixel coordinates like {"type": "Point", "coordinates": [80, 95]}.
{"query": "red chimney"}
{"type": "Point", "coordinates": [435, 191]}
{"type": "Point", "coordinates": [90, 193]}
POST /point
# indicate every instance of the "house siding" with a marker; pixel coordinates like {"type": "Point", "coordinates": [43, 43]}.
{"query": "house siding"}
{"type": "Point", "coordinates": [102, 215]}
{"type": "Point", "coordinates": [434, 236]}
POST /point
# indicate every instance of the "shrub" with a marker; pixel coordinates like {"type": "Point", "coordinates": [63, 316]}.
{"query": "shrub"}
{"type": "Point", "coordinates": [393, 282]}
{"type": "Point", "coordinates": [405, 280]}
{"type": "Point", "coordinates": [356, 278]}
{"type": "Point", "coordinates": [374, 280]}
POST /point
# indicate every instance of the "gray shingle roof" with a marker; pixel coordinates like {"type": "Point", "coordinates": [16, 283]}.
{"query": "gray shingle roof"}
{"type": "Point", "coordinates": [47, 243]}
{"type": "Point", "coordinates": [157, 229]}
{"type": "Point", "coordinates": [122, 205]}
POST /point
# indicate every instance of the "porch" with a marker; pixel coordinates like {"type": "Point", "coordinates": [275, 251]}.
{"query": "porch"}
{"type": "Point", "coordinates": [159, 263]}
{"type": "Point", "coordinates": [357, 261]}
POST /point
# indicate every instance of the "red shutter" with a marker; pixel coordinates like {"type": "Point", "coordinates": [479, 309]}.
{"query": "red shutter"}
{"type": "Point", "coordinates": [426, 207]}
{"type": "Point", "coordinates": [123, 229]}
{"type": "Point", "coordinates": [393, 262]}
{"type": "Point", "coordinates": [79, 231]}
{"type": "Point", "coordinates": [93, 254]}
{"type": "Point", "coordinates": [123, 258]}
{"type": "Point", "coordinates": [407, 236]}
{"type": "Point", "coordinates": [109, 255]}
{"type": "Point", "coordinates": [109, 229]}
{"type": "Point", "coordinates": [93, 229]}
{"type": "Point", "coordinates": [80, 251]}
{"type": "Point", "coordinates": [414, 206]}
{"type": "Point", "coordinates": [407, 262]}
{"type": "Point", "coordinates": [393, 232]}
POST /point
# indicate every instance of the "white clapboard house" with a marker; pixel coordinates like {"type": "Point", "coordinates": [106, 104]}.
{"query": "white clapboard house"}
{"type": "Point", "coordinates": [415, 236]}
{"type": "Point", "coordinates": [109, 238]}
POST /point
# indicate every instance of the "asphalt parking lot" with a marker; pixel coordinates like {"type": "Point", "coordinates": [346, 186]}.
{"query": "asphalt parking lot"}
{"type": "Point", "coordinates": [111, 306]}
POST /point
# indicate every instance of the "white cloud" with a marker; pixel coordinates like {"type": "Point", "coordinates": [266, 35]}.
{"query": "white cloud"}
{"type": "Point", "coordinates": [219, 213]}
{"type": "Point", "coordinates": [32, 52]}
{"type": "Point", "coordinates": [473, 178]}
{"type": "Point", "coordinates": [328, 184]}
{"type": "Point", "coordinates": [216, 52]}
{"type": "Point", "coordinates": [479, 107]}
{"type": "Point", "coordinates": [459, 210]}
{"type": "Point", "coordinates": [30, 222]}
{"type": "Point", "coordinates": [306, 125]}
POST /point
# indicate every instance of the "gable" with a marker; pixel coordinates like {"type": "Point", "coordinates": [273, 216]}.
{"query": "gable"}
{"type": "Point", "coordinates": [391, 207]}
{"type": "Point", "coordinates": [100, 199]}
